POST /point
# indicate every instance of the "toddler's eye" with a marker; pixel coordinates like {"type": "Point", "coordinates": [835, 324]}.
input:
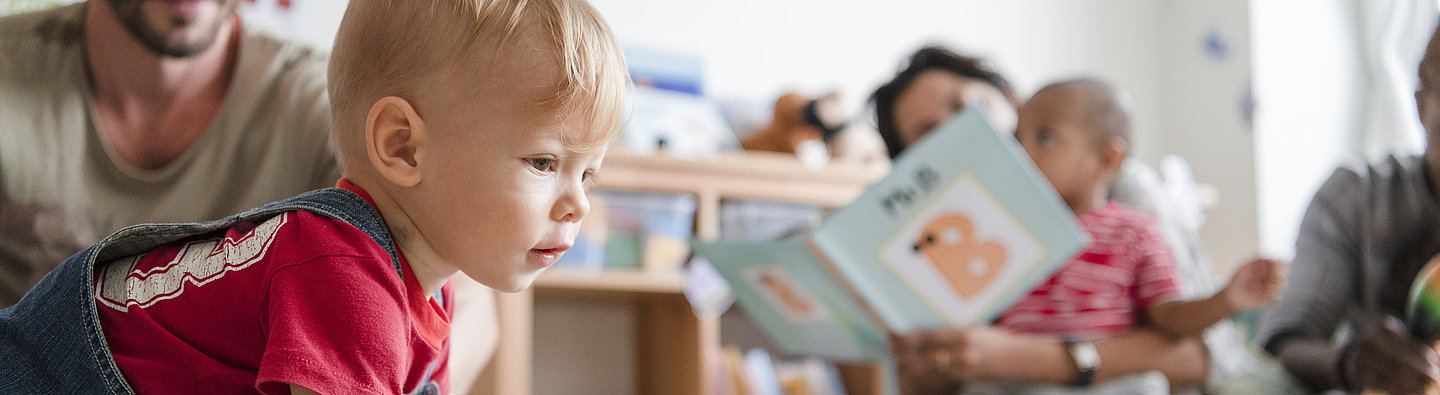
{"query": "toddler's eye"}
{"type": "Point", "coordinates": [588, 178]}
{"type": "Point", "coordinates": [957, 103]}
{"type": "Point", "coordinates": [541, 164]}
{"type": "Point", "coordinates": [1045, 137]}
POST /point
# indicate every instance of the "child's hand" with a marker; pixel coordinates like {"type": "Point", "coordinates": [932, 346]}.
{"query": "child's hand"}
{"type": "Point", "coordinates": [1256, 285]}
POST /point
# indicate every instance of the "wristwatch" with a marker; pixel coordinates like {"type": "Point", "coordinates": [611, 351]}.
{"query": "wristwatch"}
{"type": "Point", "coordinates": [1086, 360]}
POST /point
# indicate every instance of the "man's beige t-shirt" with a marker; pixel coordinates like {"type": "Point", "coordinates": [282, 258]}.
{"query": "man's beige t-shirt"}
{"type": "Point", "coordinates": [62, 190]}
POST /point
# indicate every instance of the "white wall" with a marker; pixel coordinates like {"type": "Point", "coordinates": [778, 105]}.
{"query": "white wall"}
{"type": "Point", "coordinates": [1332, 91]}
{"type": "Point", "coordinates": [758, 48]}
{"type": "Point", "coordinates": [313, 22]}
{"type": "Point", "coordinates": [1306, 66]}
{"type": "Point", "coordinates": [1203, 116]}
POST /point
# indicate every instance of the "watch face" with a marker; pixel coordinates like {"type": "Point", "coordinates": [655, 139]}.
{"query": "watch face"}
{"type": "Point", "coordinates": [1085, 355]}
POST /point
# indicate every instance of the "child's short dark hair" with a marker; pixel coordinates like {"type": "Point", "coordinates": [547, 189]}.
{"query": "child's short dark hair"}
{"type": "Point", "coordinates": [1106, 108]}
{"type": "Point", "coordinates": [929, 57]}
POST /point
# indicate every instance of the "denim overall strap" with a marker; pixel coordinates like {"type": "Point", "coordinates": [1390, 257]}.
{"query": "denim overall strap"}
{"type": "Point", "coordinates": [51, 341]}
{"type": "Point", "coordinates": [335, 203]}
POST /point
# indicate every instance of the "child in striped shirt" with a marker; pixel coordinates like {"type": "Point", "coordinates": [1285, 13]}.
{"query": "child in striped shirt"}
{"type": "Point", "coordinates": [1076, 132]}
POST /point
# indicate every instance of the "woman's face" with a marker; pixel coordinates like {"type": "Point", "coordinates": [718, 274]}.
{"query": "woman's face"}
{"type": "Point", "coordinates": [936, 95]}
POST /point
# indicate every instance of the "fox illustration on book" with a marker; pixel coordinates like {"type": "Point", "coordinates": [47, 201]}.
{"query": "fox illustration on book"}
{"type": "Point", "coordinates": [950, 243]}
{"type": "Point", "coordinates": [785, 292]}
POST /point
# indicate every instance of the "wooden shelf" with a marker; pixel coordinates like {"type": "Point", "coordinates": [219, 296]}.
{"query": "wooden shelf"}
{"type": "Point", "coordinates": [563, 282]}
{"type": "Point", "coordinates": [675, 352]}
{"type": "Point", "coordinates": [750, 175]}
{"type": "Point", "coordinates": [755, 175]}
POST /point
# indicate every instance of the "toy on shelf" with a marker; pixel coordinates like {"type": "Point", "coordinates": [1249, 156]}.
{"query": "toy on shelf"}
{"type": "Point", "coordinates": [817, 130]}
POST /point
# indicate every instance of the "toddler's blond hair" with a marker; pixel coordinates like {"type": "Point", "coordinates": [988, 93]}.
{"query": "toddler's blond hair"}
{"type": "Point", "coordinates": [389, 47]}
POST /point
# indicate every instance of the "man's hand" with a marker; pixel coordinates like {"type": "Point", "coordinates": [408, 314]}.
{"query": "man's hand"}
{"type": "Point", "coordinates": [1384, 358]}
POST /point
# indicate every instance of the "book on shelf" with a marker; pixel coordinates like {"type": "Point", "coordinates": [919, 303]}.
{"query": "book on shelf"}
{"type": "Point", "coordinates": [753, 372]}
{"type": "Point", "coordinates": [962, 226]}
{"type": "Point", "coordinates": [808, 376]}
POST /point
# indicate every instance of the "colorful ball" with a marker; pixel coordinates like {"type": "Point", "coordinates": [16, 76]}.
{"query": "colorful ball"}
{"type": "Point", "coordinates": [1423, 309]}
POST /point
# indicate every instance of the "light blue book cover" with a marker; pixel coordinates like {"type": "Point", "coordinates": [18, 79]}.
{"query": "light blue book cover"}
{"type": "Point", "coordinates": [795, 299]}
{"type": "Point", "coordinates": [962, 226]}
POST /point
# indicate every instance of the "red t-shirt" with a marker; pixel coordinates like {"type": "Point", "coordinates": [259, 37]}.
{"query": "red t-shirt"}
{"type": "Point", "coordinates": [298, 298]}
{"type": "Point", "coordinates": [1126, 268]}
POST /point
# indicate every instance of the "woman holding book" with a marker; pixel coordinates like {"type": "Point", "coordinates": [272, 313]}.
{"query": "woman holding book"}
{"type": "Point", "coordinates": [934, 85]}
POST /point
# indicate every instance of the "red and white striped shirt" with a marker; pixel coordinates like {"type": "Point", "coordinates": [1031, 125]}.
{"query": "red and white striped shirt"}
{"type": "Point", "coordinates": [1126, 269]}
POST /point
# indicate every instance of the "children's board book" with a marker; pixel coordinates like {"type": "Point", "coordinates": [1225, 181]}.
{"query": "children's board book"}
{"type": "Point", "coordinates": [963, 226]}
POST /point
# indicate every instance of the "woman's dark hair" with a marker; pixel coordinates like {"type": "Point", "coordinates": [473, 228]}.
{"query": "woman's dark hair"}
{"type": "Point", "coordinates": [929, 57]}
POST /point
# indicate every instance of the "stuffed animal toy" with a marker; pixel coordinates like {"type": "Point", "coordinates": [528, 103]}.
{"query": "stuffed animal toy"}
{"type": "Point", "coordinates": [801, 126]}
{"type": "Point", "coordinates": [787, 130]}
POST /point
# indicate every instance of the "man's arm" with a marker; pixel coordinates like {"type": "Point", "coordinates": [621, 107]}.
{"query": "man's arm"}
{"type": "Point", "coordinates": [1381, 357]}
{"type": "Point", "coordinates": [1328, 287]}
{"type": "Point", "coordinates": [1311, 361]}
{"type": "Point", "coordinates": [1323, 285]}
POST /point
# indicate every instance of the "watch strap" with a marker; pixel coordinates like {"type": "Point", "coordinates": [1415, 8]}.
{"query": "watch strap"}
{"type": "Point", "coordinates": [1086, 361]}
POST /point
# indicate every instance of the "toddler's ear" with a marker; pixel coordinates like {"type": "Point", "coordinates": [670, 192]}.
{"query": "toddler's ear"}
{"type": "Point", "coordinates": [394, 133]}
{"type": "Point", "coordinates": [1113, 155]}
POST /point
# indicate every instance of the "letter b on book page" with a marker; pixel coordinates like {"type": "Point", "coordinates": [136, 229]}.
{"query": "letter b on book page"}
{"type": "Point", "coordinates": [964, 252]}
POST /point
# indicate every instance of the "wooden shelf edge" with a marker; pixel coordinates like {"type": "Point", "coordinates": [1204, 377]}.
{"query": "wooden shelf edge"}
{"type": "Point", "coordinates": [758, 175]}
{"type": "Point", "coordinates": [563, 281]}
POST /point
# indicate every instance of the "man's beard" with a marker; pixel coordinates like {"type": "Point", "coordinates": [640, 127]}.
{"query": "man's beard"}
{"type": "Point", "coordinates": [153, 39]}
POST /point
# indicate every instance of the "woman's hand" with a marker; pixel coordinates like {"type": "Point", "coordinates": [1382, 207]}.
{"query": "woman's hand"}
{"type": "Point", "coordinates": [940, 360]}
